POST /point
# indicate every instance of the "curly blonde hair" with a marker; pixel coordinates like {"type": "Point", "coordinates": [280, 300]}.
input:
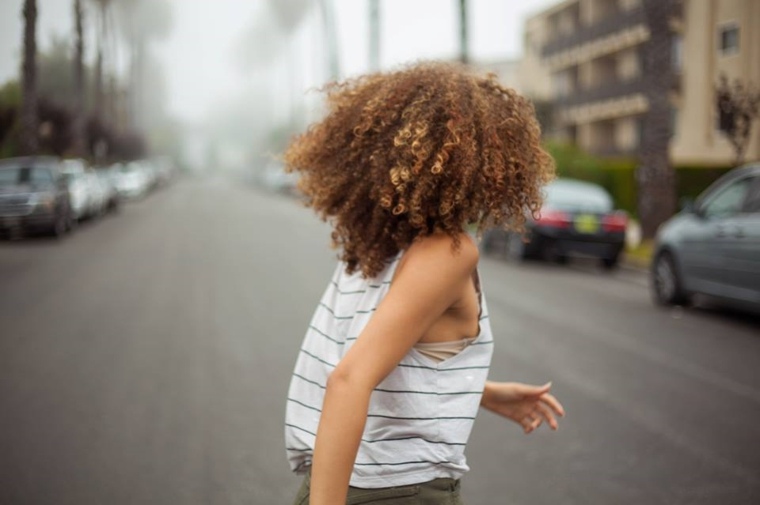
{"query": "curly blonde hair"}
{"type": "Point", "coordinates": [431, 148]}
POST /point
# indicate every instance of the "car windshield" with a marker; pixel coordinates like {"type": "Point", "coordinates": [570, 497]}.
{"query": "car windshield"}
{"type": "Point", "coordinates": [574, 196]}
{"type": "Point", "coordinates": [15, 176]}
{"type": "Point", "coordinates": [74, 176]}
{"type": "Point", "coordinates": [129, 169]}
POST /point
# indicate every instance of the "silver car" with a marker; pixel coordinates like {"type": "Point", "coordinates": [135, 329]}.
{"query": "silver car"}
{"type": "Point", "coordinates": [713, 246]}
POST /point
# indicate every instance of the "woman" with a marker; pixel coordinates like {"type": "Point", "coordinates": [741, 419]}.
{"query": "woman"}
{"type": "Point", "coordinates": [393, 366]}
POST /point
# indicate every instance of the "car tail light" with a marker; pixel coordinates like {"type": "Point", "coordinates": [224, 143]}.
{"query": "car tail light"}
{"type": "Point", "coordinates": [554, 219]}
{"type": "Point", "coordinates": [614, 223]}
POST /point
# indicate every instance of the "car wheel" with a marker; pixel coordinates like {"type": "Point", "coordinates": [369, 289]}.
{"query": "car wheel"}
{"type": "Point", "coordinates": [72, 222]}
{"type": "Point", "coordinates": [486, 243]}
{"type": "Point", "coordinates": [60, 227]}
{"type": "Point", "coordinates": [516, 250]}
{"type": "Point", "coordinates": [667, 286]}
{"type": "Point", "coordinates": [551, 253]}
{"type": "Point", "coordinates": [609, 263]}
{"type": "Point", "coordinates": [495, 243]}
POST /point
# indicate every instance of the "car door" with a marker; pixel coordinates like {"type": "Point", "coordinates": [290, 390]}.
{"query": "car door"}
{"type": "Point", "coordinates": [718, 239]}
{"type": "Point", "coordinates": [743, 246]}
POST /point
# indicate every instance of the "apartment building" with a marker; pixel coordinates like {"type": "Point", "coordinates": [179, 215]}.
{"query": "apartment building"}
{"type": "Point", "coordinates": [590, 54]}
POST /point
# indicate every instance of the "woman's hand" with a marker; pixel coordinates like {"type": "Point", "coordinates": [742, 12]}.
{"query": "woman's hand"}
{"type": "Point", "coordinates": [527, 405]}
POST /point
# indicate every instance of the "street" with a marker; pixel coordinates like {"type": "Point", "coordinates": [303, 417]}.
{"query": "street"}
{"type": "Point", "coordinates": [146, 358]}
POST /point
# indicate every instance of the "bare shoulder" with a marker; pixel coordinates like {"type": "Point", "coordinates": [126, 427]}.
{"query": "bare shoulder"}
{"type": "Point", "coordinates": [441, 253]}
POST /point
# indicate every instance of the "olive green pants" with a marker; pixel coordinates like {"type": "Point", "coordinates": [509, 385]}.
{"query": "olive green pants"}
{"type": "Point", "coordinates": [434, 492]}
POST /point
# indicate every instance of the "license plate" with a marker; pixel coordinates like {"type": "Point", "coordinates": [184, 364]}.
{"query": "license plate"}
{"type": "Point", "coordinates": [586, 223]}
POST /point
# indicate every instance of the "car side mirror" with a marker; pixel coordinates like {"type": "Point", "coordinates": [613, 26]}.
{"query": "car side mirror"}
{"type": "Point", "coordinates": [687, 205]}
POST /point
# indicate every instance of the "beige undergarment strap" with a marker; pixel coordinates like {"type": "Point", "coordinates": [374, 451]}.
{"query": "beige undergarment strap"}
{"type": "Point", "coordinates": [439, 351]}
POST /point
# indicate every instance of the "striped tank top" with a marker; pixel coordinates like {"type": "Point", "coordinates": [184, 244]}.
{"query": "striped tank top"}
{"type": "Point", "coordinates": [420, 416]}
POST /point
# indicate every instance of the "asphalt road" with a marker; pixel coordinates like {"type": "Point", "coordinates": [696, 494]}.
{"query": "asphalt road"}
{"type": "Point", "coordinates": [145, 360]}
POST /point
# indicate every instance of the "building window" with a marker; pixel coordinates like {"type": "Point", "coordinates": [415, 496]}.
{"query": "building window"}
{"type": "Point", "coordinates": [729, 39]}
{"type": "Point", "coordinates": [673, 121]}
{"type": "Point", "coordinates": [563, 84]}
{"type": "Point", "coordinates": [677, 53]}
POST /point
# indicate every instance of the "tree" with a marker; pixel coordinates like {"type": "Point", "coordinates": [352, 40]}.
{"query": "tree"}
{"type": "Point", "coordinates": [738, 106]}
{"type": "Point", "coordinates": [374, 35]}
{"type": "Point", "coordinates": [464, 46]}
{"type": "Point", "coordinates": [655, 176]}
{"type": "Point", "coordinates": [100, 42]}
{"type": "Point", "coordinates": [78, 128]}
{"type": "Point", "coordinates": [328, 19]}
{"type": "Point", "coordinates": [10, 105]}
{"type": "Point", "coordinates": [29, 140]}
{"type": "Point", "coordinates": [143, 22]}
{"type": "Point", "coordinates": [56, 128]}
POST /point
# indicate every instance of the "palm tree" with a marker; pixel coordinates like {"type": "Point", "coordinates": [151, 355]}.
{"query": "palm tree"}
{"type": "Point", "coordinates": [29, 130]}
{"type": "Point", "coordinates": [102, 38]}
{"type": "Point", "coordinates": [79, 81]}
{"type": "Point", "coordinates": [464, 49]}
{"type": "Point", "coordinates": [328, 19]}
{"type": "Point", "coordinates": [374, 35]}
{"type": "Point", "coordinates": [655, 176]}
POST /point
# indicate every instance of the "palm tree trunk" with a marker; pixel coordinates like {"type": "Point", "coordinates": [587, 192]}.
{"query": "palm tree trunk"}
{"type": "Point", "coordinates": [374, 35]}
{"type": "Point", "coordinates": [98, 106]}
{"type": "Point", "coordinates": [655, 176]}
{"type": "Point", "coordinates": [79, 83]}
{"type": "Point", "coordinates": [29, 129]}
{"type": "Point", "coordinates": [328, 20]}
{"type": "Point", "coordinates": [464, 45]}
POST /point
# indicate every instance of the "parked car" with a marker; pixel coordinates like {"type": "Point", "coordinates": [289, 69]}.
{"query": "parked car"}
{"type": "Point", "coordinates": [576, 219]}
{"type": "Point", "coordinates": [107, 178]}
{"type": "Point", "coordinates": [79, 187]}
{"type": "Point", "coordinates": [132, 180]}
{"type": "Point", "coordinates": [274, 178]}
{"type": "Point", "coordinates": [97, 194]}
{"type": "Point", "coordinates": [712, 246]}
{"type": "Point", "coordinates": [34, 196]}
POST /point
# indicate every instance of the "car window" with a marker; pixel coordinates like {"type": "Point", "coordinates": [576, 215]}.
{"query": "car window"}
{"type": "Point", "coordinates": [728, 200]}
{"type": "Point", "coordinates": [25, 175]}
{"type": "Point", "coordinates": [752, 204]}
{"type": "Point", "coordinates": [571, 196]}
{"type": "Point", "coordinates": [9, 176]}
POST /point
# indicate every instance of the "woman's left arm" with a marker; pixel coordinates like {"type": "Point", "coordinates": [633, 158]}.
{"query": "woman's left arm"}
{"type": "Point", "coordinates": [431, 278]}
{"type": "Point", "coordinates": [526, 404]}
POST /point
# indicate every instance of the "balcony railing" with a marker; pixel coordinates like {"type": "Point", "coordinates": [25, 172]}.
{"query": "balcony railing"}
{"type": "Point", "coordinates": [602, 92]}
{"type": "Point", "coordinates": [607, 26]}
{"type": "Point", "coordinates": [612, 90]}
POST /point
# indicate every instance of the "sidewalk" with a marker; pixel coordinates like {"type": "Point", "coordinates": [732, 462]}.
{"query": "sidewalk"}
{"type": "Point", "coordinates": [638, 252]}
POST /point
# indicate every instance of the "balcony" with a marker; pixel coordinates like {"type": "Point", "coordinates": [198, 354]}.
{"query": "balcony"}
{"type": "Point", "coordinates": [602, 92]}
{"type": "Point", "coordinates": [607, 26]}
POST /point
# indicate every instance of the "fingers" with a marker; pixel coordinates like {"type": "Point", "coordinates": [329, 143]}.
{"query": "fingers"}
{"type": "Point", "coordinates": [555, 405]}
{"type": "Point", "coordinates": [544, 410]}
{"type": "Point", "coordinates": [527, 390]}
{"type": "Point", "coordinates": [547, 414]}
{"type": "Point", "coordinates": [530, 423]}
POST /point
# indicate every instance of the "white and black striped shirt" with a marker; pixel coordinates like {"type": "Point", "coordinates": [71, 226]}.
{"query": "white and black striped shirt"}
{"type": "Point", "coordinates": [420, 416]}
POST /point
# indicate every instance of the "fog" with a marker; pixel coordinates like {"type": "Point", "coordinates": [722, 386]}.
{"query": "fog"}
{"type": "Point", "coordinates": [240, 76]}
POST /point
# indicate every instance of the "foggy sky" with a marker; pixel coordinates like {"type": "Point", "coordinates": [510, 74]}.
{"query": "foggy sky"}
{"type": "Point", "coordinates": [199, 56]}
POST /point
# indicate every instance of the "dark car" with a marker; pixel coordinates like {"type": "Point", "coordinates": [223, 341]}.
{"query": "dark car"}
{"type": "Point", "coordinates": [34, 196]}
{"type": "Point", "coordinates": [713, 246]}
{"type": "Point", "coordinates": [577, 219]}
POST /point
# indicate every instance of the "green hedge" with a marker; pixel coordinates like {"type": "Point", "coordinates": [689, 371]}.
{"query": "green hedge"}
{"type": "Point", "coordinates": [691, 181]}
{"type": "Point", "coordinates": [618, 175]}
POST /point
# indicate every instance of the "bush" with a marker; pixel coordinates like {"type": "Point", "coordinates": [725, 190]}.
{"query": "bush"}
{"type": "Point", "coordinates": [615, 175]}
{"type": "Point", "coordinates": [691, 181]}
{"type": "Point", "coordinates": [618, 175]}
